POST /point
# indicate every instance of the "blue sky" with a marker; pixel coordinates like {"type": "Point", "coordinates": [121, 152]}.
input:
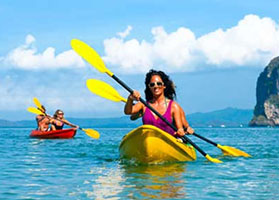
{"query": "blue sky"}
{"type": "Point", "coordinates": [213, 50]}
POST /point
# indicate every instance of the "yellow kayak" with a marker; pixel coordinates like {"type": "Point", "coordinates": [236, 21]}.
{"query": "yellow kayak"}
{"type": "Point", "coordinates": [149, 144]}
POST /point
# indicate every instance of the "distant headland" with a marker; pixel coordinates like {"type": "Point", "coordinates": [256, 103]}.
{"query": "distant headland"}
{"type": "Point", "coordinates": [228, 117]}
{"type": "Point", "coordinates": [266, 112]}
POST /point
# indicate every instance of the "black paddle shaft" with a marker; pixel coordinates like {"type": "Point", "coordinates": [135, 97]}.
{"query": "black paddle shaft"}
{"type": "Point", "coordinates": [158, 114]}
{"type": "Point", "coordinates": [205, 139]}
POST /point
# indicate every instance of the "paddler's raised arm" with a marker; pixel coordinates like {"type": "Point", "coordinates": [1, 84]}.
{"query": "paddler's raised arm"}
{"type": "Point", "coordinates": [129, 107]}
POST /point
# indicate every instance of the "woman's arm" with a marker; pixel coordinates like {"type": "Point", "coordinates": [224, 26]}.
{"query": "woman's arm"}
{"type": "Point", "coordinates": [185, 123]}
{"type": "Point", "coordinates": [70, 124]}
{"type": "Point", "coordinates": [129, 107]}
{"type": "Point", "coordinates": [134, 109]}
{"type": "Point", "coordinates": [176, 113]}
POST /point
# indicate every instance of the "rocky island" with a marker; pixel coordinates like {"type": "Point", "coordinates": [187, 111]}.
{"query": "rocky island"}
{"type": "Point", "coordinates": [266, 111]}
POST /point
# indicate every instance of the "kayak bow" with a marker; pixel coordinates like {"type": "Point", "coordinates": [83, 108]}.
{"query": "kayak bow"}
{"type": "Point", "coordinates": [57, 134]}
{"type": "Point", "coordinates": [149, 144]}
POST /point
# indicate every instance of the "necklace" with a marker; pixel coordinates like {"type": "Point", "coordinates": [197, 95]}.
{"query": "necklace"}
{"type": "Point", "coordinates": [166, 105]}
{"type": "Point", "coordinates": [165, 102]}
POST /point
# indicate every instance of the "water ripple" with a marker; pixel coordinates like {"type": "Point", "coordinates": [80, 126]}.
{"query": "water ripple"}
{"type": "Point", "coordinates": [85, 168]}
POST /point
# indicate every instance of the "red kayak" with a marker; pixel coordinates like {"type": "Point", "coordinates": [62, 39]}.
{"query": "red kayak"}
{"type": "Point", "coordinates": [58, 134]}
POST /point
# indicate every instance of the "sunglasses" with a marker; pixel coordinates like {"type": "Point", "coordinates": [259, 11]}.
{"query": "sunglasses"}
{"type": "Point", "coordinates": [159, 84]}
{"type": "Point", "coordinates": [60, 113]}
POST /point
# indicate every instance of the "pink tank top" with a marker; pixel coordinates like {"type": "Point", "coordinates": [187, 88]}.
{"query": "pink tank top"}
{"type": "Point", "coordinates": [149, 118]}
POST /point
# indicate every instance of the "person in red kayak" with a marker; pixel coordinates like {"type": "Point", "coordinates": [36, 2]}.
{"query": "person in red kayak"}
{"type": "Point", "coordinates": [59, 121]}
{"type": "Point", "coordinates": [159, 93]}
{"type": "Point", "coordinates": [43, 121]}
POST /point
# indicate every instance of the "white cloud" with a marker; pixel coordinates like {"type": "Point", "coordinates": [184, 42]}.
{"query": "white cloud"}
{"type": "Point", "coordinates": [126, 32]}
{"type": "Point", "coordinates": [27, 57]}
{"type": "Point", "coordinates": [174, 48]}
{"type": "Point", "coordinates": [29, 39]}
{"type": "Point", "coordinates": [136, 56]}
{"type": "Point", "coordinates": [128, 54]}
{"type": "Point", "coordinates": [17, 94]}
{"type": "Point", "coordinates": [252, 42]}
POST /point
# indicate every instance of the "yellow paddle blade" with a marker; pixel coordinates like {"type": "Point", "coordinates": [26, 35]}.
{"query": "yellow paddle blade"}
{"type": "Point", "coordinates": [215, 160]}
{"type": "Point", "coordinates": [35, 111]}
{"type": "Point", "coordinates": [231, 151]}
{"type": "Point", "coordinates": [37, 103]}
{"type": "Point", "coordinates": [104, 90]}
{"type": "Point", "coordinates": [91, 133]}
{"type": "Point", "coordinates": [90, 55]}
{"type": "Point", "coordinates": [227, 151]}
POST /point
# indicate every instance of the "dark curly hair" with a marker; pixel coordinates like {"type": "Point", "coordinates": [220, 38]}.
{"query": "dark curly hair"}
{"type": "Point", "coordinates": [169, 91]}
{"type": "Point", "coordinates": [55, 116]}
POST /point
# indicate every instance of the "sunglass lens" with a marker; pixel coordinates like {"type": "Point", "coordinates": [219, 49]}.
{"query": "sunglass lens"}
{"type": "Point", "coordinates": [159, 83]}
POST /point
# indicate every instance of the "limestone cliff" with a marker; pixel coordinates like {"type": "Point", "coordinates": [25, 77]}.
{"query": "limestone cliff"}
{"type": "Point", "coordinates": [266, 112]}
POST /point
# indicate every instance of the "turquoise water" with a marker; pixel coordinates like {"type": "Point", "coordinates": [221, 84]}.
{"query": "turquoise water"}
{"type": "Point", "coordinates": [84, 168]}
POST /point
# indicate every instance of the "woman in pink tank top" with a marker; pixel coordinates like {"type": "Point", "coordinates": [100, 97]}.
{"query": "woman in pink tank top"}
{"type": "Point", "coordinates": [159, 93]}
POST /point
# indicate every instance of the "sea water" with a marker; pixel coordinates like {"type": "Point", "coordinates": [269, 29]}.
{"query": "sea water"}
{"type": "Point", "coordinates": [86, 168]}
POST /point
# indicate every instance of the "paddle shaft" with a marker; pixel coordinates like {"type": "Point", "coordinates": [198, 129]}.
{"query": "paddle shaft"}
{"type": "Point", "coordinates": [205, 139]}
{"type": "Point", "coordinates": [184, 138]}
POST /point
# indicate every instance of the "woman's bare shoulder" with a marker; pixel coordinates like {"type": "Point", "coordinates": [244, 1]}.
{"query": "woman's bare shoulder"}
{"type": "Point", "coordinates": [175, 105]}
